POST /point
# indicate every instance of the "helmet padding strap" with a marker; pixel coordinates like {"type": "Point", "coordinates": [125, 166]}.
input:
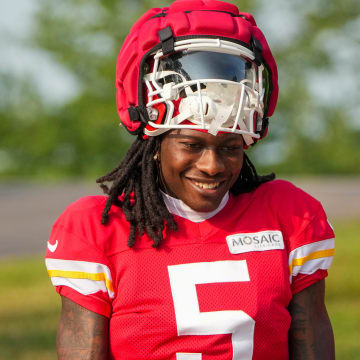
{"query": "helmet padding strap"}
{"type": "Point", "coordinates": [167, 40]}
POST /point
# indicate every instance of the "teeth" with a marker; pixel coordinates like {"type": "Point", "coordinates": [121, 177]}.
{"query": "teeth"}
{"type": "Point", "coordinates": [207, 185]}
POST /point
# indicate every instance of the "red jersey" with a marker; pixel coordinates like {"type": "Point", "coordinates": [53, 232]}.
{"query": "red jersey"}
{"type": "Point", "coordinates": [215, 289]}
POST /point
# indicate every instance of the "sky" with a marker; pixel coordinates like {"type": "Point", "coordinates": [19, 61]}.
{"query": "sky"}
{"type": "Point", "coordinates": [18, 56]}
{"type": "Point", "coordinates": [57, 85]}
{"type": "Point", "coordinates": [54, 82]}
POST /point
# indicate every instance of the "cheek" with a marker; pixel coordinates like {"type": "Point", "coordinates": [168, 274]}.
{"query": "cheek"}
{"type": "Point", "coordinates": [173, 159]}
{"type": "Point", "coordinates": [235, 168]}
{"type": "Point", "coordinates": [171, 168]}
{"type": "Point", "coordinates": [167, 173]}
{"type": "Point", "coordinates": [171, 181]}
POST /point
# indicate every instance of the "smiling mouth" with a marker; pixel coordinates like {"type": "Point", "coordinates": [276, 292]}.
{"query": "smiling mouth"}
{"type": "Point", "coordinates": [207, 186]}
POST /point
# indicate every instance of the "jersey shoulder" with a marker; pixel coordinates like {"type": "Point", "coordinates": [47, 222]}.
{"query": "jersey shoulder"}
{"type": "Point", "coordinates": [86, 210]}
{"type": "Point", "coordinates": [85, 206]}
{"type": "Point", "coordinates": [301, 216]}
{"type": "Point", "coordinates": [81, 214]}
{"type": "Point", "coordinates": [76, 257]}
{"type": "Point", "coordinates": [280, 186]}
{"type": "Point", "coordinates": [284, 195]}
{"type": "Point", "coordinates": [298, 212]}
{"type": "Point", "coordinates": [79, 228]}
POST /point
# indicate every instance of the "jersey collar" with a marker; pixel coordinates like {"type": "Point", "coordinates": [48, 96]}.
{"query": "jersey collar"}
{"type": "Point", "coordinates": [179, 208]}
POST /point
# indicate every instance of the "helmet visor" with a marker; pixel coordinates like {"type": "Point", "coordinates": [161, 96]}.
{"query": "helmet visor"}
{"type": "Point", "coordinates": [196, 65]}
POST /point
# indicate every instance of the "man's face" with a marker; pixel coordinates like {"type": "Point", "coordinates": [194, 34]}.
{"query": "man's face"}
{"type": "Point", "coordinates": [199, 168]}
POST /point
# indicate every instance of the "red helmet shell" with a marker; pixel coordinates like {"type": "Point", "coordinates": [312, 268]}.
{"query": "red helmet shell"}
{"type": "Point", "coordinates": [186, 18]}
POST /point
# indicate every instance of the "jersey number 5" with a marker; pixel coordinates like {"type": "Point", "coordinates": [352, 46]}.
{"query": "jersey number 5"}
{"type": "Point", "coordinates": [189, 319]}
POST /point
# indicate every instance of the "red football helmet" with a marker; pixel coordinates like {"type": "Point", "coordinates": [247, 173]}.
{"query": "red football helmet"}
{"type": "Point", "coordinates": [198, 64]}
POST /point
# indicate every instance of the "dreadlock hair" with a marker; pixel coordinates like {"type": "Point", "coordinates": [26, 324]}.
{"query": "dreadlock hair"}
{"type": "Point", "coordinates": [135, 188]}
{"type": "Point", "coordinates": [249, 179]}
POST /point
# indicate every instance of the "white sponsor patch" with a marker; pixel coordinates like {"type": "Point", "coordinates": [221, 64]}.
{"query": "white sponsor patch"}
{"type": "Point", "coordinates": [260, 241]}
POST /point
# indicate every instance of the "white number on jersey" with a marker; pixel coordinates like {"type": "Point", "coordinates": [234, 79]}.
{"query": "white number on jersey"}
{"type": "Point", "coordinates": [189, 319]}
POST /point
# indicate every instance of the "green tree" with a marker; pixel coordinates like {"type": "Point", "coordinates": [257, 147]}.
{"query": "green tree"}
{"type": "Point", "coordinates": [316, 45]}
{"type": "Point", "coordinates": [313, 128]}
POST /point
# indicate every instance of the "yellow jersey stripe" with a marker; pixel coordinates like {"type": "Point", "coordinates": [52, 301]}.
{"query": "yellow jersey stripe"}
{"type": "Point", "coordinates": [315, 255]}
{"type": "Point", "coordinates": [82, 275]}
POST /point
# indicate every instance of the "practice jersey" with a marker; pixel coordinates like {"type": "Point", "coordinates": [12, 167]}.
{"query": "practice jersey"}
{"type": "Point", "coordinates": [215, 289]}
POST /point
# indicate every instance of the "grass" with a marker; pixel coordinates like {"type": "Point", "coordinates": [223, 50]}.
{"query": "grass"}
{"type": "Point", "coordinates": [343, 291]}
{"type": "Point", "coordinates": [29, 309]}
{"type": "Point", "coordinates": [29, 306]}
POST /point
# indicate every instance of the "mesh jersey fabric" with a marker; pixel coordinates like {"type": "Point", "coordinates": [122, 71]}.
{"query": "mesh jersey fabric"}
{"type": "Point", "coordinates": [202, 291]}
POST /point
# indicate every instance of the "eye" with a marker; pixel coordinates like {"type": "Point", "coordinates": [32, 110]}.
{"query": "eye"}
{"type": "Point", "coordinates": [231, 149]}
{"type": "Point", "coordinates": [192, 146]}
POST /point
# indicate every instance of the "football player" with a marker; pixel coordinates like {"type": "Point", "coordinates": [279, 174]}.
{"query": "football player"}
{"type": "Point", "coordinates": [193, 255]}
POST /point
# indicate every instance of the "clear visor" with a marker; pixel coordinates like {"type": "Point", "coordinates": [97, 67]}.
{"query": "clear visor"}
{"type": "Point", "coordinates": [196, 65]}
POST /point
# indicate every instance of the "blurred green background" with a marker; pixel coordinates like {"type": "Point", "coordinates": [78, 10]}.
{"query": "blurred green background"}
{"type": "Point", "coordinates": [58, 122]}
{"type": "Point", "coordinates": [68, 126]}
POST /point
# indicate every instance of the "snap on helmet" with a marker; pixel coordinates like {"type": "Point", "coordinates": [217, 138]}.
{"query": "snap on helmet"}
{"type": "Point", "coordinates": [198, 64]}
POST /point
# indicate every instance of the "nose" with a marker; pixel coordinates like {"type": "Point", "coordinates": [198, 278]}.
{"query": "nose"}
{"type": "Point", "coordinates": [210, 162]}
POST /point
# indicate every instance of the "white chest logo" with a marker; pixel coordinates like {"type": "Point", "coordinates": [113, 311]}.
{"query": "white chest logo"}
{"type": "Point", "coordinates": [260, 241]}
{"type": "Point", "coordinates": [51, 247]}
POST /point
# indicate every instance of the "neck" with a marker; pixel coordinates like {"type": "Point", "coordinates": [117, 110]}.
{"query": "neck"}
{"type": "Point", "coordinates": [179, 208]}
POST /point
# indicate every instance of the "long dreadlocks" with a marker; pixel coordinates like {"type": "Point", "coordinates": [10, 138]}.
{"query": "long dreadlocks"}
{"type": "Point", "coordinates": [135, 188]}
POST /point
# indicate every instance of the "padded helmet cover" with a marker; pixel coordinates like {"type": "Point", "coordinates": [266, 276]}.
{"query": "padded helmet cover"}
{"type": "Point", "coordinates": [186, 18]}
